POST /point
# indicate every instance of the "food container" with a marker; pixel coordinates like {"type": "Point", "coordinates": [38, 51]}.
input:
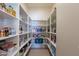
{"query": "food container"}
{"type": "Point", "coordinates": [6, 30]}
{"type": "Point", "coordinates": [10, 51]}
{"type": "Point", "coordinates": [2, 33]}
{"type": "Point", "coordinates": [3, 53]}
{"type": "Point", "coordinates": [13, 12]}
{"type": "Point", "coordinates": [2, 6]}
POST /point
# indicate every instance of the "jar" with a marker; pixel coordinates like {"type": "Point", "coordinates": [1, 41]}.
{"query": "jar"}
{"type": "Point", "coordinates": [2, 6]}
{"type": "Point", "coordinates": [13, 31]}
{"type": "Point", "coordinates": [2, 33]}
{"type": "Point", "coordinates": [6, 29]}
{"type": "Point", "coordinates": [13, 12]}
{"type": "Point", "coordinates": [9, 9]}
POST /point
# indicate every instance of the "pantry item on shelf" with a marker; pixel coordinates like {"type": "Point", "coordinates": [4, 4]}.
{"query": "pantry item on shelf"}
{"type": "Point", "coordinates": [29, 42]}
{"type": "Point", "coordinates": [4, 49]}
{"type": "Point", "coordinates": [10, 29]}
{"type": "Point", "coordinates": [25, 37]}
{"type": "Point", "coordinates": [53, 50]}
{"type": "Point", "coordinates": [2, 6]}
{"type": "Point", "coordinates": [48, 28]}
{"type": "Point", "coordinates": [7, 10]}
{"type": "Point", "coordinates": [14, 13]}
{"type": "Point", "coordinates": [22, 39]}
{"type": "Point", "coordinates": [22, 51]}
{"type": "Point", "coordinates": [1, 44]}
{"type": "Point", "coordinates": [3, 53]}
{"type": "Point", "coordinates": [54, 29]}
{"type": "Point", "coordinates": [55, 39]}
{"type": "Point", "coordinates": [5, 31]}
{"type": "Point", "coordinates": [11, 50]}
{"type": "Point", "coordinates": [52, 37]}
{"type": "Point", "coordinates": [10, 10]}
{"type": "Point", "coordinates": [2, 33]}
{"type": "Point", "coordinates": [13, 31]}
{"type": "Point", "coordinates": [39, 40]}
{"type": "Point", "coordinates": [7, 45]}
{"type": "Point", "coordinates": [34, 35]}
{"type": "Point", "coordinates": [21, 29]}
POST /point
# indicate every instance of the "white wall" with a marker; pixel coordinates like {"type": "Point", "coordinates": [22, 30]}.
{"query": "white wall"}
{"type": "Point", "coordinates": [68, 29]}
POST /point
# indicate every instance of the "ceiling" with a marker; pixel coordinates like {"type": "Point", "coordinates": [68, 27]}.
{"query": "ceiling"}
{"type": "Point", "coordinates": [39, 11]}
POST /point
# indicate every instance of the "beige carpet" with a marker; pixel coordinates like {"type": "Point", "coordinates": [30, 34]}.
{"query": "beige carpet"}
{"type": "Point", "coordinates": [39, 52]}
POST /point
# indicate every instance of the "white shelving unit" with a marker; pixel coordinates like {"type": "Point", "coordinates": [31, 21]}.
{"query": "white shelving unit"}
{"type": "Point", "coordinates": [21, 19]}
{"type": "Point", "coordinates": [10, 36]}
{"type": "Point", "coordinates": [14, 52]}
{"type": "Point", "coordinates": [22, 30]}
{"type": "Point", "coordinates": [51, 31]}
{"type": "Point", "coordinates": [51, 42]}
{"type": "Point", "coordinates": [27, 50]}
{"type": "Point", "coordinates": [29, 39]}
{"type": "Point", "coordinates": [50, 49]}
{"type": "Point", "coordinates": [24, 23]}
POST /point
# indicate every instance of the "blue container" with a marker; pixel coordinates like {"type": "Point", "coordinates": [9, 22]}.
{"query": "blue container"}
{"type": "Point", "coordinates": [39, 40]}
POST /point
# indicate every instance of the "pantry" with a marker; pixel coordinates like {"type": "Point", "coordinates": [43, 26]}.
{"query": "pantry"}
{"type": "Point", "coordinates": [21, 35]}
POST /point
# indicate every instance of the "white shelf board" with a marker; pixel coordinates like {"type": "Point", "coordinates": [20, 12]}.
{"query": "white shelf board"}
{"type": "Point", "coordinates": [24, 43]}
{"type": "Point", "coordinates": [39, 25]}
{"type": "Point", "coordinates": [38, 32]}
{"type": "Point", "coordinates": [53, 33]}
{"type": "Point", "coordinates": [51, 42]}
{"type": "Point", "coordinates": [23, 33]}
{"type": "Point", "coordinates": [48, 32]}
{"type": "Point", "coordinates": [50, 49]}
{"type": "Point", "coordinates": [5, 15]}
{"type": "Point", "coordinates": [27, 50]}
{"type": "Point", "coordinates": [10, 36]}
